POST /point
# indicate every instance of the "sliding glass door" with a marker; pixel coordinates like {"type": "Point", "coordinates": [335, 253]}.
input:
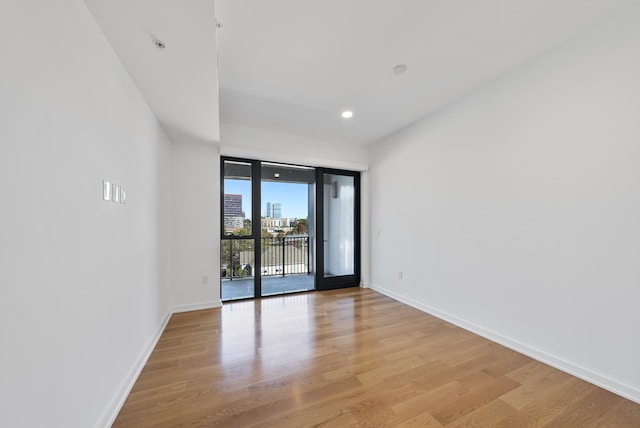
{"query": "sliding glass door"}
{"type": "Point", "coordinates": [287, 228]}
{"type": "Point", "coordinates": [267, 229]}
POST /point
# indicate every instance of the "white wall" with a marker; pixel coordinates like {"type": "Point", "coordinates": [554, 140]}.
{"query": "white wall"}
{"type": "Point", "coordinates": [260, 144]}
{"type": "Point", "coordinates": [515, 212]}
{"type": "Point", "coordinates": [195, 226]}
{"type": "Point", "coordinates": [83, 282]}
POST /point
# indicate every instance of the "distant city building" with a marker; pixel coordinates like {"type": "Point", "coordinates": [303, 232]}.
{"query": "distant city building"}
{"type": "Point", "coordinates": [270, 223]}
{"type": "Point", "coordinates": [233, 205]}
{"type": "Point", "coordinates": [233, 222]}
{"type": "Point", "coordinates": [233, 214]}
{"type": "Point", "coordinates": [275, 223]}
{"type": "Point", "coordinates": [276, 209]}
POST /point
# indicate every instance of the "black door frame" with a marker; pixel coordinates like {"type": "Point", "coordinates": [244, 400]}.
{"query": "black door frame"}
{"type": "Point", "coordinates": [255, 214]}
{"type": "Point", "coordinates": [344, 281]}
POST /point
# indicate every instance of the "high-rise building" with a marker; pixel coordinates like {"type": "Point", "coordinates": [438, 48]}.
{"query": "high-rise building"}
{"type": "Point", "coordinates": [276, 210]}
{"type": "Point", "coordinates": [233, 205]}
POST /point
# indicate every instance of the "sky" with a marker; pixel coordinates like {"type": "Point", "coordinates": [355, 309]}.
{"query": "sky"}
{"type": "Point", "coordinates": [292, 196]}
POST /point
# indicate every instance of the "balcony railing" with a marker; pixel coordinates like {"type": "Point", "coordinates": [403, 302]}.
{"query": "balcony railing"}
{"type": "Point", "coordinates": [288, 255]}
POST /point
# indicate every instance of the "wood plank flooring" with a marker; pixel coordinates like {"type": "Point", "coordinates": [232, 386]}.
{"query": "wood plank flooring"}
{"type": "Point", "coordinates": [351, 358]}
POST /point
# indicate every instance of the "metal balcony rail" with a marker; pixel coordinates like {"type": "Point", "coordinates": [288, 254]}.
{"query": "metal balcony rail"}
{"type": "Point", "coordinates": [280, 256]}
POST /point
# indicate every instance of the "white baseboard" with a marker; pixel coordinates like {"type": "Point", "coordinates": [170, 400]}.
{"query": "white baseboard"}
{"type": "Point", "coordinates": [197, 306]}
{"type": "Point", "coordinates": [616, 387]}
{"type": "Point", "coordinates": [116, 404]}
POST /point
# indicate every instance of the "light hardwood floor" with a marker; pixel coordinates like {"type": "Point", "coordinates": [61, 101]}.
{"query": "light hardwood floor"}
{"type": "Point", "coordinates": [351, 358]}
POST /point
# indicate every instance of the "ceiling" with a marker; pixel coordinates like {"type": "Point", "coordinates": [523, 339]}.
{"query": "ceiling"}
{"type": "Point", "coordinates": [293, 65]}
{"type": "Point", "coordinates": [179, 82]}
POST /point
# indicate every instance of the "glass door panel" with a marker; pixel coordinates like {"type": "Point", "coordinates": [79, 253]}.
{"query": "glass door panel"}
{"type": "Point", "coordinates": [237, 252]}
{"type": "Point", "coordinates": [339, 225]}
{"type": "Point", "coordinates": [339, 229]}
{"type": "Point", "coordinates": [287, 213]}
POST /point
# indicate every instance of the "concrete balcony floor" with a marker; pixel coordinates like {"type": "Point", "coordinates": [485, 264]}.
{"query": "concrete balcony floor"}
{"type": "Point", "coordinates": [242, 288]}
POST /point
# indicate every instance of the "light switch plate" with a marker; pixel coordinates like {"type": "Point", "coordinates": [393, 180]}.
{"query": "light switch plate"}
{"type": "Point", "coordinates": [115, 193]}
{"type": "Point", "coordinates": [106, 190]}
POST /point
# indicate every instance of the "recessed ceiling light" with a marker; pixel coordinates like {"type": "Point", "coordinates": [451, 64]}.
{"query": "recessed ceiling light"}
{"type": "Point", "coordinates": [159, 44]}
{"type": "Point", "coordinates": [347, 114]}
{"type": "Point", "coordinates": [400, 68]}
{"type": "Point", "coordinates": [276, 175]}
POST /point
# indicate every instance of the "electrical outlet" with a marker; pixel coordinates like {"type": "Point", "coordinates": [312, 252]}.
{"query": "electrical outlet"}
{"type": "Point", "coordinates": [399, 275]}
{"type": "Point", "coordinates": [205, 280]}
